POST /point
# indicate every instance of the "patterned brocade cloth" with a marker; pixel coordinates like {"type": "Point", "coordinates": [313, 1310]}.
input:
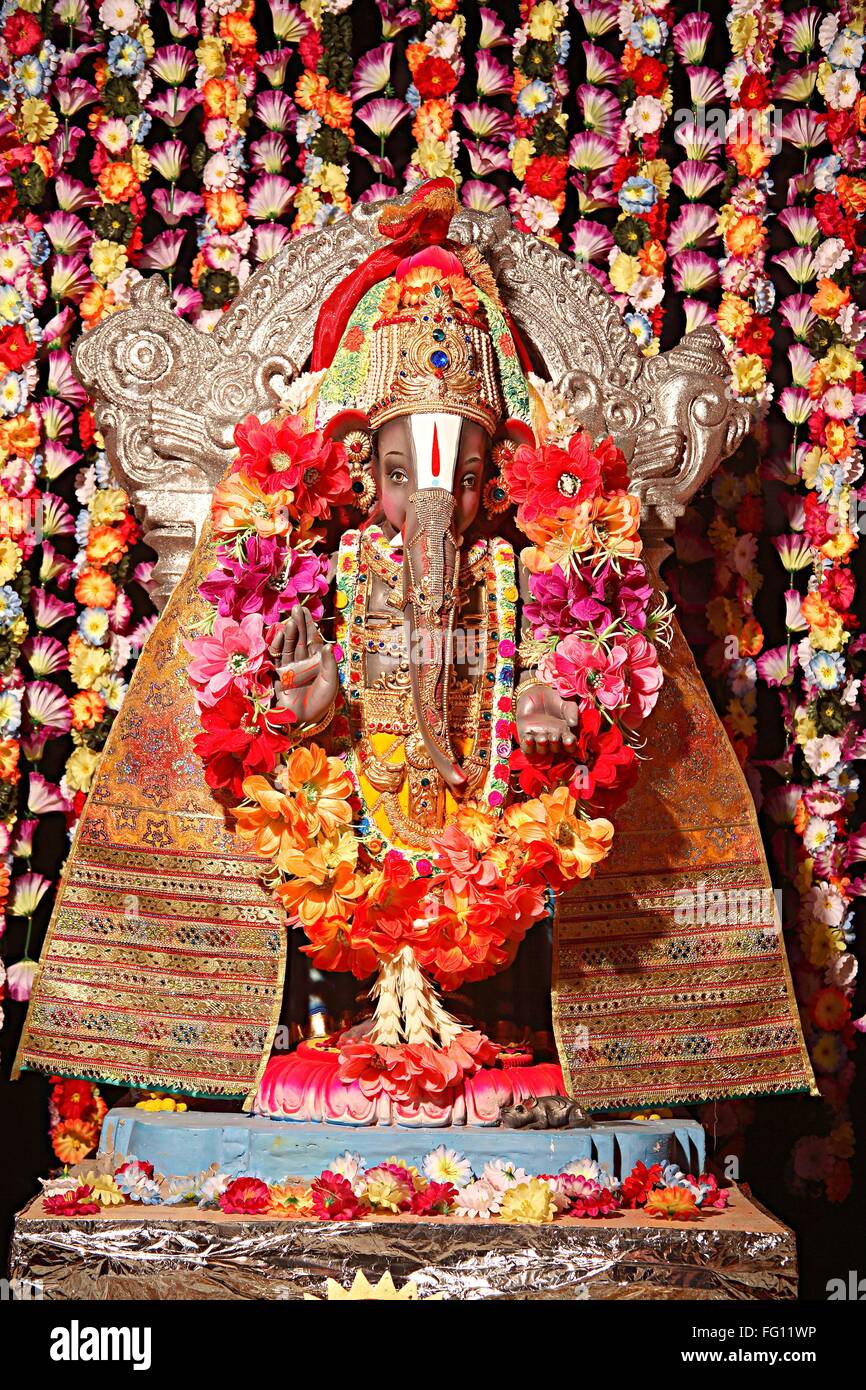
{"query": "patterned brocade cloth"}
{"type": "Point", "coordinates": [671, 982]}
{"type": "Point", "coordinates": [164, 962]}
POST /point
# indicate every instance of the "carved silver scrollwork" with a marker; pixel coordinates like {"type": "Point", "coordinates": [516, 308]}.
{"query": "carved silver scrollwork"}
{"type": "Point", "coordinates": [168, 397]}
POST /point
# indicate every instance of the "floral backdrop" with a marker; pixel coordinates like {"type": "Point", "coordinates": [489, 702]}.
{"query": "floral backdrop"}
{"type": "Point", "coordinates": [703, 165]}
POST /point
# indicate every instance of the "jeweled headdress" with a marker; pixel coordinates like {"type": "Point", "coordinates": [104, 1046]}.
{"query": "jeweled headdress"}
{"type": "Point", "coordinates": [426, 331]}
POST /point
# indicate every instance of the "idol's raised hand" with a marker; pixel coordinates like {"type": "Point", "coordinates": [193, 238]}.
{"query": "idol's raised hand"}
{"type": "Point", "coordinates": [544, 719]}
{"type": "Point", "coordinates": [307, 678]}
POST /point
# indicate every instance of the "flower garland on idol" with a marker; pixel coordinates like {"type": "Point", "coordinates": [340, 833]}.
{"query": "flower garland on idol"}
{"type": "Point", "coordinates": [446, 1185]}
{"type": "Point", "coordinates": [459, 911]}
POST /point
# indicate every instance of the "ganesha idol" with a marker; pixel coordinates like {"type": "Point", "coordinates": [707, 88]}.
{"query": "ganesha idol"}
{"type": "Point", "coordinates": [418, 692]}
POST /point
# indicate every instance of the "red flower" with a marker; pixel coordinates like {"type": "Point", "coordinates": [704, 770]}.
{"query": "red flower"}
{"type": "Point", "coordinates": [598, 1203]}
{"type": "Point", "coordinates": [623, 169]}
{"type": "Point", "coordinates": [246, 1197]}
{"type": "Point", "coordinates": [86, 428]}
{"type": "Point", "coordinates": [750, 513]}
{"type": "Point", "coordinates": [436, 1199]}
{"type": "Point", "coordinates": [639, 1183]}
{"type": "Point", "coordinates": [23, 33]}
{"type": "Point", "coordinates": [435, 78]}
{"type": "Point", "coordinates": [816, 520]}
{"type": "Point", "coordinates": [146, 1168]}
{"type": "Point", "coordinates": [837, 587]}
{"type": "Point", "coordinates": [334, 1198]}
{"type": "Point", "coordinates": [545, 176]}
{"type": "Point", "coordinates": [74, 1100]}
{"type": "Point", "coordinates": [649, 77]}
{"type": "Point", "coordinates": [546, 480]}
{"type": "Point", "coordinates": [754, 92]}
{"type": "Point", "coordinates": [716, 1197]}
{"type": "Point", "coordinates": [606, 766]}
{"type": "Point", "coordinates": [232, 748]}
{"type": "Point", "coordinates": [16, 349]}
{"type": "Point", "coordinates": [75, 1202]}
{"type": "Point", "coordinates": [831, 218]}
{"type": "Point", "coordinates": [385, 917]}
{"type": "Point", "coordinates": [281, 455]}
{"type": "Point", "coordinates": [539, 772]}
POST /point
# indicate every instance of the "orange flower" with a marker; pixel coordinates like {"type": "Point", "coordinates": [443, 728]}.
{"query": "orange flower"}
{"type": "Point", "coordinates": [733, 315]}
{"type": "Point", "coordinates": [95, 588]}
{"type": "Point", "coordinates": [310, 90]}
{"type": "Point", "coordinates": [321, 787]}
{"type": "Point", "coordinates": [239, 504]}
{"type": "Point", "coordinates": [817, 612]}
{"type": "Point", "coordinates": [335, 110]}
{"type": "Point", "coordinates": [549, 820]}
{"type": "Point", "coordinates": [673, 1204]}
{"type": "Point", "coordinates": [746, 236]}
{"type": "Point", "coordinates": [331, 948]}
{"type": "Point", "coordinates": [9, 760]}
{"type": "Point", "coordinates": [273, 824]}
{"type": "Point", "coordinates": [840, 439]}
{"type": "Point", "coordinates": [227, 208]}
{"type": "Point", "coordinates": [751, 638]}
{"type": "Point", "coordinates": [98, 302]}
{"type": "Point", "coordinates": [416, 53]}
{"type": "Point", "coordinates": [433, 120]}
{"type": "Point", "coordinates": [614, 524]}
{"type": "Point", "coordinates": [651, 258]}
{"type": "Point", "coordinates": [19, 435]}
{"type": "Point", "coordinates": [88, 707]}
{"type": "Point", "coordinates": [829, 298]}
{"type": "Point", "coordinates": [73, 1140]}
{"type": "Point", "coordinates": [238, 31]}
{"type": "Point", "coordinates": [105, 546]}
{"type": "Point", "coordinates": [324, 882]}
{"type": "Point", "coordinates": [42, 157]}
{"type": "Point", "coordinates": [852, 193]}
{"type": "Point", "coordinates": [751, 159]}
{"type": "Point", "coordinates": [220, 97]}
{"type": "Point", "coordinates": [118, 183]}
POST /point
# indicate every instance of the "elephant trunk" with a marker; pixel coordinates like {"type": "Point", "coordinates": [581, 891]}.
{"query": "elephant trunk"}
{"type": "Point", "coordinates": [430, 573]}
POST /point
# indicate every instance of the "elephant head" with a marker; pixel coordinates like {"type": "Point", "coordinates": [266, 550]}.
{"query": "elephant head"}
{"type": "Point", "coordinates": [428, 469]}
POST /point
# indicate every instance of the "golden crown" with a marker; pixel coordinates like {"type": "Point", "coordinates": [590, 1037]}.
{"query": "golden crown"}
{"type": "Point", "coordinates": [431, 350]}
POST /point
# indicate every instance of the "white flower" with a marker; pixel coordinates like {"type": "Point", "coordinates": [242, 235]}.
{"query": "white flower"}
{"type": "Point", "coordinates": [349, 1166]}
{"type": "Point", "coordinates": [846, 50]}
{"type": "Point", "coordinates": [647, 291]}
{"type": "Point", "coordinates": [500, 1175]}
{"type": "Point", "coordinates": [822, 753]}
{"type": "Point", "coordinates": [447, 1165]}
{"type": "Point", "coordinates": [645, 116]}
{"type": "Point", "coordinates": [841, 90]}
{"type": "Point", "coordinates": [818, 834]}
{"type": "Point", "coordinates": [220, 172]}
{"type": "Point", "coordinates": [478, 1199]}
{"type": "Point", "coordinates": [539, 214]}
{"type": "Point", "coordinates": [119, 15]}
{"type": "Point", "coordinates": [212, 1188]}
{"type": "Point", "coordinates": [827, 31]}
{"type": "Point", "coordinates": [824, 904]}
{"type": "Point", "coordinates": [830, 256]}
{"type": "Point", "coordinates": [443, 40]}
{"type": "Point", "coordinates": [299, 391]}
{"type": "Point", "coordinates": [735, 75]}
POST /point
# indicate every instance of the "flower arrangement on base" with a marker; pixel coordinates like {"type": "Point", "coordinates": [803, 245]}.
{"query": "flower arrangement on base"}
{"type": "Point", "coordinates": [445, 1186]}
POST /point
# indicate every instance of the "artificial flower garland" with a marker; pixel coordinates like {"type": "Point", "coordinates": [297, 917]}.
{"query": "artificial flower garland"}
{"type": "Point", "coordinates": [460, 910]}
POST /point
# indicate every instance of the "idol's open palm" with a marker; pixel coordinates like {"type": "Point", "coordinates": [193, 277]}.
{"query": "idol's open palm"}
{"type": "Point", "coordinates": [307, 678]}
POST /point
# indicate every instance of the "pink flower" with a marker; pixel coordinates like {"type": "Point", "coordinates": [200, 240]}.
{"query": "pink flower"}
{"type": "Point", "coordinates": [644, 677]}
{"type": "Point", "coordinates": [588, 672]}
{"type": "Point", "coordinates": [233, 654]}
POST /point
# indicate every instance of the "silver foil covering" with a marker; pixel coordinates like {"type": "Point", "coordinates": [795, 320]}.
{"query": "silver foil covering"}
{"type": "Point", "coordinates": [178, 1253]}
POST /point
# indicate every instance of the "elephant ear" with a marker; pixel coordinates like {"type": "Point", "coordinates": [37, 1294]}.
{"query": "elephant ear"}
{"type": "Point", "coordinates": [513, 432]}
{"type": "Point", "coordinates": [352, 429]}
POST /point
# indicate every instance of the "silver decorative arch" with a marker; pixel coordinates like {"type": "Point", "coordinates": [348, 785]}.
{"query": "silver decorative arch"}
{"type": "Point", "coordinates": [168, 397]}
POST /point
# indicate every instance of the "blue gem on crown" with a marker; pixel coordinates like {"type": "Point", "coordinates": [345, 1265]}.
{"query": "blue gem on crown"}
{"type": "Point", "coordinates": [439, 359]}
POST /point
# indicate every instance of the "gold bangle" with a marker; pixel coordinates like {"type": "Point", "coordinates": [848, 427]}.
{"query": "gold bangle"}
{"type": "Point", "coordinates": [308, 731]}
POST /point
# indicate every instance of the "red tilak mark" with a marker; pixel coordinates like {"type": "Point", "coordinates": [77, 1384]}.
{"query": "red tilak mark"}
{"type": "Point", "coordinates": [434, 468]}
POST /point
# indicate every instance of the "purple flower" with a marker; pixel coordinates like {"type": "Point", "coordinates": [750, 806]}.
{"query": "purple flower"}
{"type": "Point", "coordinates": [269, 580]}
{"type": "Point", "coordinates": [561, 601]}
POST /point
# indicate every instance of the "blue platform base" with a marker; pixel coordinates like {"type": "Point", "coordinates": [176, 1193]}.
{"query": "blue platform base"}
{"type": "Point", "coordinates": [274, 1150]}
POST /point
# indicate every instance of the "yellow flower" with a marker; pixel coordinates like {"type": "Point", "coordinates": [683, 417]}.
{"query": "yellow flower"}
{"type": "Point", "coordinates": [290, 1199]}
{"type": "Point", "coordinates": [658, 171]}
{"type": "Point", "coordinates": [87, 665]}
{"type": "Point", "coordinates": [544, 21]}
{"type": "Point", "coordinates": [741, 722]}
{"type": "Point", "coordinates": [140, 161]}
{"type": "Point", "coordinates": [838, 363]}
{"type": "Point", "coordinates": [842, 1140]}
{"type": "Point", "coordinates": [623, 272]}
{"type": "Point", "coordinates": [313, 10]}
{"type": "Point", "coordinates": [108, 506]}
{"type": "Point", "coordinates": [80, 769]}
{"type": "Point", "coordinates": [802, 877]}
{"type": "Point", "coordinates": [210, 54]}
{"type": "Point", "coordinates": [531, 1202]}
{"type": "Point", "coordinates": [435, 160]}
{"type": "Point", "coordinates": [822, 943]}
{"type": "Point", "coordinates": [18, 630]}
{"type": "Point", "coordinates": [107, 260]}
{"type": "Point", "coordinates": [749, 374]}
{"type": "Point", "coordinates": [105, 1189]}
{"type": "Point", "coordinates": [811, 462]}
{"type": "Point", "coordinates": [31, 6]}
{"type": "Point", "coordinates": [331, 179]}
{"type": "Point", "coordinates": [721, 536]}
{"type": "Point", "coordinates": [734, 313]}
{"type": "Point", "coordinates": [362, 1291]}
{"type": "Point", "coordinates": [307, 203]}
{"type": "Point", "coordinates": [743, 31]}
{"type": "Point", "coordinates": [521, 155]}
{"type": "Point", "coordinates": [146, 39]}
{"type": "Point", "coordinates": [830, 636]}
{"type": "Point", "coordinates": [36, 121]}
{"type": "Point", "coordinates": [805, 726]}
{"type": "Point", "coordinates": [10, 559]}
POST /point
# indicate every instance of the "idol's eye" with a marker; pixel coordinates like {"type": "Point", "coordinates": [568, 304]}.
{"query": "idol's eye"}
{"type": "Point", "coordinates": [470, 482]}
{"type": "Point", "coordinates": [398, 476]}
